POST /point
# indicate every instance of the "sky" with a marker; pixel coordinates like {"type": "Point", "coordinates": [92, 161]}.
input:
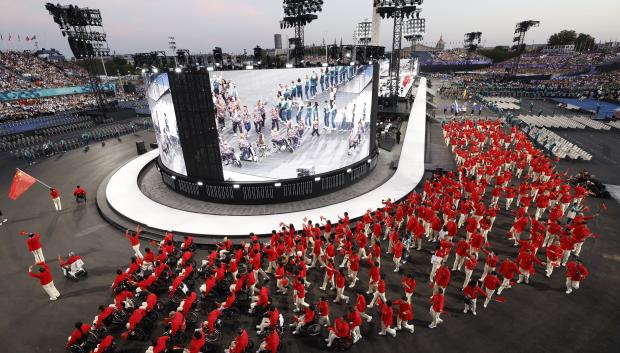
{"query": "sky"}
{"type": "Point", "coordinates": [199, 25]}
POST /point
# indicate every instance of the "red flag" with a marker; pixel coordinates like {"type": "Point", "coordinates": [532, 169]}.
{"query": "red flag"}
{"type": "Point", "coordinates": [603, 207]}
{"type": "Point", "coordinates": [21, 183]}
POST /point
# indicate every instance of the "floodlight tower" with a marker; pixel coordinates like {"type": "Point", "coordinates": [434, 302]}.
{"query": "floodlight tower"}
{"type": "Point", "coordinates": [297, 14]}
{"type": "Point", "coordinates": [363, 35]}
{"type": "Point", "coordinates": [172, 44]}
{"type": "Point", "coordinates": [519, 38]}
{"type": "Point", "coordinates": [414, 33]}
{"type": "Point", "coordinates": [84, 30]}
{"type": "Point", "coordinates": [471, 42]}
{"type": "Point", "coordinates": [399, 10]}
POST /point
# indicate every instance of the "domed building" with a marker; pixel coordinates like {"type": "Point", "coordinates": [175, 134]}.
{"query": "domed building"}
{"type": "Point", "coordinates": [441, 45]}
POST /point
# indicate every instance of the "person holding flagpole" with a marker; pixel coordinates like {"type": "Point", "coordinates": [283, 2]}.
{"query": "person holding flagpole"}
{"type": "Point", "coordinates": [56, 199]}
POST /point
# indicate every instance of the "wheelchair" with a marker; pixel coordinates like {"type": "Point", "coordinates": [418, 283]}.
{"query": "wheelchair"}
{"type": "Point", "coordinates": [231, 158]}
{"type": "Point", "coordinates": [75, 271]}
{"type": "Point", "coordinates": [342, 344]}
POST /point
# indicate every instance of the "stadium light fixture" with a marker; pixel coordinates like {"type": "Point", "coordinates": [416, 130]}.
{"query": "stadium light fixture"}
{"type": "Point", "coordinates": [317, 179]}
{"type": "Point", "coordinates": [249, 67]}
{"type": "Point", "coordinates": [177, 70]}
{"type": "Point", "coordinates": [210, 68]}
{"type": "Point", "coordinates": [277, 185]}
{"type": "Point", "coordinates": [236, 186]}
{"type": "Point", "coordinates": [289, 66]}
{"type": "Point", "coordinates": [173, 177]}
{"type": "Point", "coordinates": [200, 183]}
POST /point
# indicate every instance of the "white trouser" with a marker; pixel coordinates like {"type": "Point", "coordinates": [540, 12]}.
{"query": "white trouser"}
{"type": "Point", "coordinates": [330, 338]}
{"type": "Point", "coordinates": [353, 276]}
{"type": "Point", "coordinates": [327, 279]}
{"type": "Point", "coordinates": [340, 295]}
{"type": "Point", "coordinates": [136, 250]}
{"type": "Point", "coordinates": [51, 290]}
{"type": "Point", "coordinates": [385, 329]}
{"type": "Point", "coordinates": [505, 284]}
{"type": "Point", "coordinates": [471, 306]}
{"type": "Point", "coordinates": [57, 204]}
{"type": "Point", "coordinates": [402, 323]}
{"type": "Point", "coordinates": [468, 273]}
{"type": "Point", "coordinates": [38, 255]}
{"type": "Point", "coordinates": [355, 332]}
{"type": "Point", "coordinates": [435, 316]}
{"type": "Point", "coordinates": [577, 248]}
{"type": "Point", "coordinates": [408, 296]}
{"type": "Point", "coordinates": [375, 297]}
{"type": "Point", "coordinates": [550, 266]}
{"type": "Point", "coordinates": [570, 284]}
{"type": "Point", "coordinates": [490, 293]}
{"type": "Point", "coordinates": [486, 271]}
{"type": "Point", "coordinates": [458, 262]}
{"type": "Point", "coordinates": [324, 320]}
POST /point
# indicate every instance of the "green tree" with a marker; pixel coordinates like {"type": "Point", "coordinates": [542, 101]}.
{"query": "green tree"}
{"type": "Point", "coordinates": [564, 37]}
{"type": "Point", "coordinates": [584, 42]}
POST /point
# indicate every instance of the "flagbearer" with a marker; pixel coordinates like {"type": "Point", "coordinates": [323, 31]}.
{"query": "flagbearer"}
{"type": "Point", "coordinates": [56, 199]}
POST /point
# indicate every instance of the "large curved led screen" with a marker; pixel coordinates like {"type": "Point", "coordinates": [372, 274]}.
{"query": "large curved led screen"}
{"type": "Point", "coordinates": [320, 116]}
{"type": "Point", "coordinates": [165, 123]}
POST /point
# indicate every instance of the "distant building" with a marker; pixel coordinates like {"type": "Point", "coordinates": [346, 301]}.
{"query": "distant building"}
{"type": "Point", "coordinates": [50, 54]}
{"type": "Point", "coordinates": [277, 38]}
{"type": "Point", "coordinates": [441, 45]}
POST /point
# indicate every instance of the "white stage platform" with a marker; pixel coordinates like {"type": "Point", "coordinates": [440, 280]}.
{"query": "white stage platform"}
{"type": "Point", "coordinates": [124, 196]}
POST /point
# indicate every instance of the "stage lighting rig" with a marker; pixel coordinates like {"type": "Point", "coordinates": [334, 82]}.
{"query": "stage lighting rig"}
{"type": "Point", "coordinates": [399, 10]}
{"type": "Point", "coordinates": [519, 39]}
{"type": "Point", "coordinates": [414, 33]}
{"type": "Point", "coordinates": [83, 28]}
{"type": "Point", "coordinates": [471, 42]}
{"type": "Point", "coordinates": [298, 14]}
{"type": "Point", "coordinates": [363, 35]}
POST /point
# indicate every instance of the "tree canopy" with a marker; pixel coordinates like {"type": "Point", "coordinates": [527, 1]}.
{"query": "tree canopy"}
{"type": "Point", "coordinates": [582, 41]}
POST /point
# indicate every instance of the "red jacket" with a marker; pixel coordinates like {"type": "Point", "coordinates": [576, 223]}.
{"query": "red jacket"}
{"type": "Point", "coordinates": [442, 276]}
{"type": "Point", "coordinates": [360, 303]}
{"type": "Point", "coordinates": [508, 268]}
{"type": "Point", "coordinates": [387, 314]}
{"type": "Point", "coordinates": [408, 284]}
{"type": "Point", "coordinates": [44, 277]}
{"type": "Point", "coordinates": [491, 282]}
{"type": "Point", "coordinates": [272, 342]}
{"type": "Point", "coordinates": [341, 328]}
{"type": "Point", "coordinates": [34, 242]}
{"type": "Point", "coordinates": [241, 342]}
{"type": "Point", "coordinates": [104, 344]}
{"type": "Point", "coordinates": [405, 310]}
{"type": "Point", "coordinates": [472, 292]}
{"type": "Point", "coordinates": [78, 335]}
{"type": "Point", "coordinates": [576, 271]}
{"type": "Point", "coordinates": [54, 193]}
{"type": "Point", "coordinates": [196, 344]}
{"type": "Point", "coordinates": [437, 302]}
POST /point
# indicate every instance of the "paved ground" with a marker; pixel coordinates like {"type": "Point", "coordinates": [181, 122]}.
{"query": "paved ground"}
{"type": "Point", "coordinates": [534, 318]}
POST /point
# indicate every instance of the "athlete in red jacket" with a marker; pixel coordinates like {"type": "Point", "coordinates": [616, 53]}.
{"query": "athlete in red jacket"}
{"type": "Point", "coordinates": [45, 280]}
{"type": "Point", "coordinates": [576, 272]}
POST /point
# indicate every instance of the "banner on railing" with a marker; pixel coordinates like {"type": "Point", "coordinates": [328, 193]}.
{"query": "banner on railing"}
{"type": "Point", "coordinates": [52, 92]}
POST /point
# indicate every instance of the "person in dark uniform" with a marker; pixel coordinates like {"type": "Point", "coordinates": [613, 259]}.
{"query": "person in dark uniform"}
{"type": "Point", "coordinates": [398, 133]}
